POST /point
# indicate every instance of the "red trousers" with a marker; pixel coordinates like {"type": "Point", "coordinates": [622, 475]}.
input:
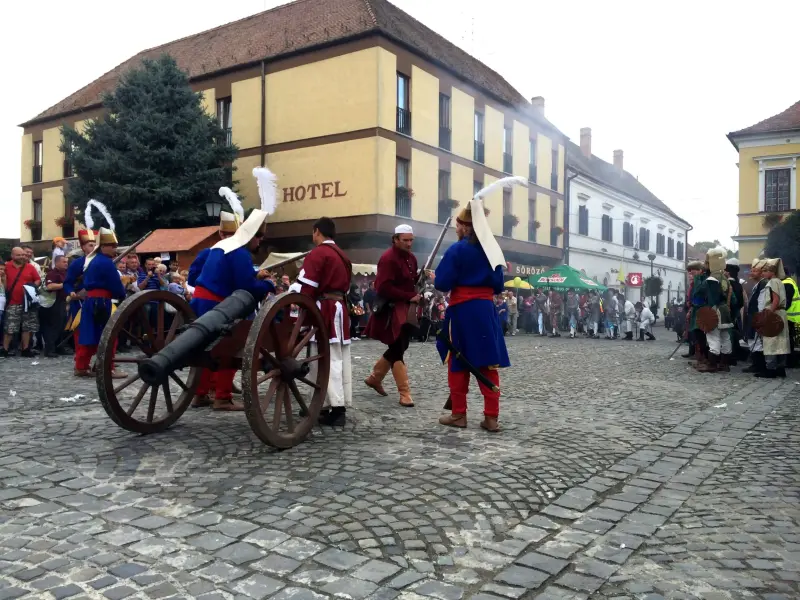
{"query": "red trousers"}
{"type": "Point", "coordinates": [84, 354]}
{"type": "Point", "coordinates": [458, 382]}
{"type": "Point", "coordinates": [221, 381]}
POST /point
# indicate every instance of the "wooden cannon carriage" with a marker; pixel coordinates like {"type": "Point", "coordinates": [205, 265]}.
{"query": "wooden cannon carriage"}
{"type": "Point", "coordinates": [283, 383]}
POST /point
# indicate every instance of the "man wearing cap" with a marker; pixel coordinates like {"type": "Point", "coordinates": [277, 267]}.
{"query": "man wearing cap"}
{"type": "Point", "coordinates": [470, 322]}
{"type": "Point", "coordinates": [325, 277]}
{"type": "Point", "coordinates": [227, 268]}
{"type": "Point", "coordinates": [103, 284]}
{"type": "Point", "coordinates": [73, 284]}
{"type": "Point", "coordinates": [757, 348]}
{"type": "Point", "coordinates": [772, 297]}
{"type": "Point", "coordinates": [395, 283]}
{"type": "Point", "coordinates": [693, 269]}
{"type": "Point", "coordinates": [715, 291]}
{"type": "Point", "coordinates": [228, 224]}
{"type": "Point", "coordinates": [732, 273]}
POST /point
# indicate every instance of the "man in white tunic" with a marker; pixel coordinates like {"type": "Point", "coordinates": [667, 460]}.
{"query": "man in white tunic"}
{"type": "Point", "coordinates": [773, 298]}
{"type": "Point", "coordinates": [325, 276]}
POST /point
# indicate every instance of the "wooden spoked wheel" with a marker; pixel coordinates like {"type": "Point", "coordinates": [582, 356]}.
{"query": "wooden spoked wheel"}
{"type": "Point", "coordinates": [148, 324]}
{"type": "Point", "coordinates": [285, 374]}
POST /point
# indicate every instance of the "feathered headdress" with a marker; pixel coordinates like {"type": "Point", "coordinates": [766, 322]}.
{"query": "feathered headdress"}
{"type": "Point", "coordinates": [267, 189]}
{"type": "Point", "coordinates": [505, 182]}
{"type": "Point", "coordinates": [233, 200]}
{"type": "Point", "coordinates": [103, 211]}
{"type": "Point", "coordinates": [480, 223]}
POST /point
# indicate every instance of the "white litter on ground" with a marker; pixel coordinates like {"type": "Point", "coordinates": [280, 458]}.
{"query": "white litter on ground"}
{"type": "Point", "coordinates": [723, 405]}
{"type": "Point", "coordinates": [74, 398]}
{"type": "Point", "coordinates": [12, 393]}
{"type": "Point", "coordinates": [34, 363]}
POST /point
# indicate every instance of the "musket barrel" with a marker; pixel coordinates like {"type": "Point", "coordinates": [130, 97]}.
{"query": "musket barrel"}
{"type": "Point", "coordinates": [197, 336]}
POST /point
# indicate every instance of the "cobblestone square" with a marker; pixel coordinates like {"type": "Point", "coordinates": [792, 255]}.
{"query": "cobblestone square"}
{"type": "Point", "coordinates": [617, 474]}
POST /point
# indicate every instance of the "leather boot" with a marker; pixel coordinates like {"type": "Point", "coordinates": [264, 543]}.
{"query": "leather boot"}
{"type": "Point", "coordinates": [641, 335]}
{"type": "Point", "coordinates": [724, 362]}
{"type": "Point", "coordinates": [226, 405]}
{"type": "Point", "coordinates": [201, 401]}
{"type": "Point", "coordinates": [375, 379]}
{"type": "Point", "coordinates": [711, 366]}
{"type": "Point", "coordinates": [756, 363]}
{"type": "Point", "coordinates": [400, 374]}
{"type": "Point", "coordinates": [490, 424]}
{"type": "Point", "coordinates": [454, 420]}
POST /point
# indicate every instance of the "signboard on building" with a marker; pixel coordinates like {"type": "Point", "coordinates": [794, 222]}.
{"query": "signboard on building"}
{"type": "Point", "coordinates": [634, 280]}
{"type": "Point", "coordinates": [518, 270]}
{"type": "Point", "coordinates": [314, 191]}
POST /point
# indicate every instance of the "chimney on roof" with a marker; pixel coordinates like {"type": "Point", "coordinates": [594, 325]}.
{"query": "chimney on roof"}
{"type": "Point", "coordinates": [586, 141]}
{"type": "Point", "coordinates": [618, 159]}
{"type": "Point", "coordinates": [538, 104]}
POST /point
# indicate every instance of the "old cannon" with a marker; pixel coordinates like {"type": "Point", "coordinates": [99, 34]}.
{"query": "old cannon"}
{"type": "Point", "coordinates": [283, 381]}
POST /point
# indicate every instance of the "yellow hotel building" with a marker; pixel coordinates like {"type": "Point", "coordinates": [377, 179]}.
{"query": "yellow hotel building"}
{"type": "Point", "coordinates": [768, 155]}
{"type": "Point", "coordinates": [364, 114]}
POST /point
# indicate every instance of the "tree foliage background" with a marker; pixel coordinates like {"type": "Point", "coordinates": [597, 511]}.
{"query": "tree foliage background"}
{"type": "Point", "coordinates": [703, 247]}
{"type": "Point", "coordinates": [784, 242]}
{"type": "Point", "coordinates": [154, 158]}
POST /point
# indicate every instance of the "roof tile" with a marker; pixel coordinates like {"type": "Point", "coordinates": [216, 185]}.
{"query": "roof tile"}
{"type": "Point", "coordinates": [297, 26]}
{"type": "Point", "coordinates": [783, 121]}
{"type": "Point", "coordinates": [176, 240]}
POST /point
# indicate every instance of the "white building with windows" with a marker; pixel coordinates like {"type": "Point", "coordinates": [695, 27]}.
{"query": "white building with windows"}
{"type": "Point", "coordinates": [620, 232]}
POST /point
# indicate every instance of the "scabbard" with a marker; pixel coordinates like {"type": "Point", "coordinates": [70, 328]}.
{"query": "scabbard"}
{"type": "Point", "coordinates": [471, 368]}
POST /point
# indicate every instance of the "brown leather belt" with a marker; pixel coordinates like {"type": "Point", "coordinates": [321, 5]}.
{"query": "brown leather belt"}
{"type": "Point", "coordinates": [333, 296]}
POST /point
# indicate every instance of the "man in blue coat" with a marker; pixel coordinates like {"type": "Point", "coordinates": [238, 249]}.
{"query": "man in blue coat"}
{"type": "Point", "coordinates": [227, 268]}
{"type": "Point", "coordinates": [470, 321]}
{"type": "Point", "coordinates": [103, 284]}
{"type": "Point", "coordinates": [228, 224]}
{"type": "Point", "coordinates": [73, 283]}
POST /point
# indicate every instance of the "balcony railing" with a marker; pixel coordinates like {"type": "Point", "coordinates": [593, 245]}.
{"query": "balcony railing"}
{"type": "Point", "coordinates": [445, 135]}
{"type": "Point", "coordinates": [68, 230]}
{"type": "Point", "coordinates": [554, 233]}
{"type": "Point", "coordinates": [532, 173]}
{"type": "Point", "coordinates": [508, 162]}
{"type": "Point", "coordinates": [479, 152]}
{"type": "Point", "coordinates": [403, 121]}
{"type": "Point", "coordinates": [37, 174]}
{"type": "Point", "coordinates": [554, 181]}
{"type": "Point", "coordinates": [402, 202]}
{"type": "Point", "coordinates": [68, 170]}
{"type": "Point", "coordinates": [36, 232]}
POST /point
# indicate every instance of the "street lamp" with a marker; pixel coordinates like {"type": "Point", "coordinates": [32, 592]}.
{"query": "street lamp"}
{"type": "Point", "coordinates": [213, 208]}
{"type": "Point", "coordinates": [651, 257]}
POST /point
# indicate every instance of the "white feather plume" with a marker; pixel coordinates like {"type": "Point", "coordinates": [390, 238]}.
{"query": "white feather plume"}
{"type": "Point", "coordinates": [267, 189]}
{"type": "Point", "coordinates": [501, 183]}
{"type": "Point", "coordinates": [103, 211]}
{"type": "Point", "coordinates": [233, 200]}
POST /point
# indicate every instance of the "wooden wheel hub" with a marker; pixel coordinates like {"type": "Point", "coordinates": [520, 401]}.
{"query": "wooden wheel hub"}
{"type": "Point", "coordinates": [292, 369]}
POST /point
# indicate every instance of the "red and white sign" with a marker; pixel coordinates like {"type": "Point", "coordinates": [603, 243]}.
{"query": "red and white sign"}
{"type": "Point", "coordinates": [634, 280]}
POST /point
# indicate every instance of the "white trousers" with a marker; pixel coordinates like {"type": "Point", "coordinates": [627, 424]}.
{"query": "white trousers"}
{"type": "Point", "coordinates": [340, 382]}
{"type": "Point", "coordinates": [719, 341]}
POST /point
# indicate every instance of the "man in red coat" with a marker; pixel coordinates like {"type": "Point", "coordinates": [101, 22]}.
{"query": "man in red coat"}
{"type": "Point", "coordinates": [395, 283]}
{"type": "Point", "coordinates": [325, 277]}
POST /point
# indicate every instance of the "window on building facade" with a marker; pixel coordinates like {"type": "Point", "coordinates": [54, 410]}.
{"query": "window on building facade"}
{"type": "Point", "coordinates": [670, 247]}
{"type": "Point", "coordinates": [445, 131]}
{"type": "Point", "coordinates": [68, 229]}
{"type": "Point", "coordinates": [777, 188]}
{"type": "Point", "coordinates": [680, 251]}
{"type": "Point", "coordinates": [479, 137]}
{"type": "Point", "coordinates": [224, 119]}
{"type": "Point", "coordinates": [508, 150]}
{"type": "Point", "coordinates": [38, 159]}
{"type": "Point", "coordinates": [477, 186]}
{"type": "Point", "coordinates": [532, 162]}
{"type": "Point", "coordinates": [403, 104]}
{"type": "Point", "coordinates": [660, 245]}
{"type": "Point", "coordinates": [508, 227]}
{"type": "Point", "coordinates": [68, 170]}
{"type": "Point", "coordinates": [531, 220]}
{"type": "Point", "coordinates": [627, 235]}
{"type": "Point", "coordinates": [644, 239]}
{"type": "Point", "coordinates": [36, 227]}
{"type": "Point", "coordinates": [554, 172]}
{"type": "Point", "coordinates": [402, 205]}
{"type": "Point", "coordinates": [553, 223]}
{"type": "Point", "coordinates": [608, 229]}
{"type": "Point", "coordinates": [444, 196]}
{"type": "Point", "coordinates": [583, 220]}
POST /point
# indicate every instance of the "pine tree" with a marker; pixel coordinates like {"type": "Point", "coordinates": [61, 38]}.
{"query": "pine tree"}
{"type": "Point", "coordinates": [783, 242]}
{"type": "Point", "coordinates": [155, 157]}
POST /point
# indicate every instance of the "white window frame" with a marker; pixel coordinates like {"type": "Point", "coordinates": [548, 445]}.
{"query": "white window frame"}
{"type": "Point", "coordinates": [764, 166]}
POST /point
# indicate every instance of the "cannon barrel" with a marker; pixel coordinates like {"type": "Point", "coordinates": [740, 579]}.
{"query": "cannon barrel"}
{"type": "Point", "coordinates": [197, 336]}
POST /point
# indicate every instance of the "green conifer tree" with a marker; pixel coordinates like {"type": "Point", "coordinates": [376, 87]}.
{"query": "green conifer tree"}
{"type": "Point", "coordinates": [154, 158]}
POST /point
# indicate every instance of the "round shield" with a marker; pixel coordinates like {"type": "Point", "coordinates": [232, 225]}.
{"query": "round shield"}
{"type": "Point", "coordinates": [767, 323]}
{"type": "Point", "coordinates": [707, 319]}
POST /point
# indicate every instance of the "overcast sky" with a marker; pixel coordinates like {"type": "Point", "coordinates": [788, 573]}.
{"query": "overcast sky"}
{"type": "Point", "coordinates": [663, 84]}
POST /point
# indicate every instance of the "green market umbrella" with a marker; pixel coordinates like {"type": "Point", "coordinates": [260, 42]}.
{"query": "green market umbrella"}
{"type": "Point", "coordinates": [563, 278]}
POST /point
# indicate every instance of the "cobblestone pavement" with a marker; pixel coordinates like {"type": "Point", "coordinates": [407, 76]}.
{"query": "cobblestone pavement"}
{"type": "Point", "coordinates": [618, 474]}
